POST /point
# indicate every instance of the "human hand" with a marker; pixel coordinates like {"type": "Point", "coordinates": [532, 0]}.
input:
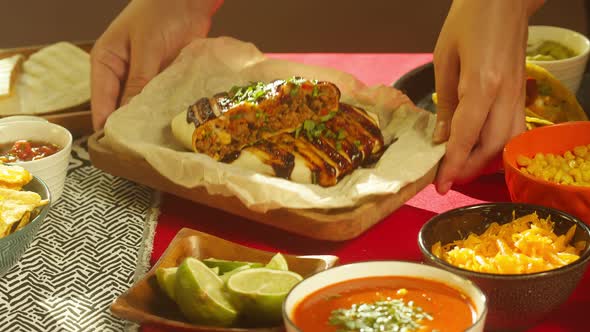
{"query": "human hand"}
{"type": "Point", "coordinates": [479, 64]}
{"type": "Point", "coordinates": [144, 39]}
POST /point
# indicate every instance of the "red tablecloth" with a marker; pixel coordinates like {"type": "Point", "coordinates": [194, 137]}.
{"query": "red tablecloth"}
{"type": "Point", "coordinates": [393, 238]}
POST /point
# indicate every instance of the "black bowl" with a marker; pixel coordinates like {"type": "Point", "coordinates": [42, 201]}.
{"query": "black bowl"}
{"type": "Point", "coordinates": [516, 301]}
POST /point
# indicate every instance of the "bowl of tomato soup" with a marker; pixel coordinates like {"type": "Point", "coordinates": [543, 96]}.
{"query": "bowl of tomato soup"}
{"type": "Point", "coordinates": [385, 296]}
{"type": "Point", "coordinates": [40, 147]}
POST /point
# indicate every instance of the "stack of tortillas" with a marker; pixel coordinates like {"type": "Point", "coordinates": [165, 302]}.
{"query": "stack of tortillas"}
{"type": "Point", "coordinates": [55, 78]}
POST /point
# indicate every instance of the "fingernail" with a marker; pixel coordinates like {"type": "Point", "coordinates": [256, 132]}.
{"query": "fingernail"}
{"type": "Point", "coordinates": [440, 131]}
{"type": "Point", "coordinates": [444, 188]}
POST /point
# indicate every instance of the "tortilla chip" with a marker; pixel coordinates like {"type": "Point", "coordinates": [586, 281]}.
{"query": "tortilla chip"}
{"type": "Point", "coordinates": [538, 121]}
{"type": "Point", "coordinates": [15, 204]}
{"type": "Point", "coordinates": [23, 221]}
{"type": "Point", "coordinates": [13, 177]}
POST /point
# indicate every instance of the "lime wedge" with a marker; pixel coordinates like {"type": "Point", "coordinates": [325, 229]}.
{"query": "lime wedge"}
{"type": "Point", "coordinates": [225, 277]}
{"type": "Point", "coordinates": [200, 296]}
{"type": "Point", "coordinates": [259, 293]}
{"type": "Point", "coordinates": [167, 280]}
{"type": "Point", "coordinates": [226, 266]}
{"type": "Point", "coordinates": [278, 262]}
{"type": "Point", "coordinates": [215, 270]}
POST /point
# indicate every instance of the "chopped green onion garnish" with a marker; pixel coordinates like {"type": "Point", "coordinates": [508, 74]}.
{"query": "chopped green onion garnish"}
{"type": "Point", "coordinates": [298, 80]}
{"type": "Point", "coordinates": [317, 131]}
{"type": "Point", "coordinates": [316, 91]}
{"type": "Point", "coordinates": [330, 134]}
{"type": "Point", "coordinates": [308, 125]}
{"type": "Point", "coordinates": [328, 116]}
{"type": "Point", "coordinates": [387, 315]}
{"type": "Point", "coordinates": [250, 93]}
{"type": "Point", "coordinates": [258, 94]}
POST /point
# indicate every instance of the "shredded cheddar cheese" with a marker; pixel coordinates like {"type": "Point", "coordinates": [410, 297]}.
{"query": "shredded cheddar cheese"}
{"type": "Point", "coordinates": [524, 245]}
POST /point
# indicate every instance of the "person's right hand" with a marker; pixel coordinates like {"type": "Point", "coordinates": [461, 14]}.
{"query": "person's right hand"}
{"type": "Point", "coordinates": [139, 43]}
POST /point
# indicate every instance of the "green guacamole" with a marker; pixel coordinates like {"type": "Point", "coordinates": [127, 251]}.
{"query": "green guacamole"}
{"type": "Point", "coordinates": [549, 51]}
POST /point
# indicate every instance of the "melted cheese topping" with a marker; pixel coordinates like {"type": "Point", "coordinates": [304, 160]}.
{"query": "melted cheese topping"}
{"type": "Point", "coordinates": [524, 245]}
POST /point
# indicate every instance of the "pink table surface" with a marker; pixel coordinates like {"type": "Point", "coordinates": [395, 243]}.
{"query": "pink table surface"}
{"type": "Point", "coordinates": [393, 238]}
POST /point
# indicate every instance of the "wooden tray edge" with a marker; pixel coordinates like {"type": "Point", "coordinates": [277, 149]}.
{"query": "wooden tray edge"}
{"type": "Point", "coordinates": [330, 225]}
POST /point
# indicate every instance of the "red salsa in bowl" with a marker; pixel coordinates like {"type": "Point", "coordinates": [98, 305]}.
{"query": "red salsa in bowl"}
{"type": "Point", "coordinates": [24, 150]}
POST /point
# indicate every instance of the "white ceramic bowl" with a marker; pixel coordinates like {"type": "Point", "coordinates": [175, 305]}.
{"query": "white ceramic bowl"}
{"type": "Point", "coordinates": [383, 268]}
{"type": "Point", "coordinates": [568, 71]}
{"type": "Point", "coordinates": [52, 169]}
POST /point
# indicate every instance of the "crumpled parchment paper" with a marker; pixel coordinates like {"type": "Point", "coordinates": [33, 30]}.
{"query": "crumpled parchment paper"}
{"type": "Point", "coordinates": [209, 66]}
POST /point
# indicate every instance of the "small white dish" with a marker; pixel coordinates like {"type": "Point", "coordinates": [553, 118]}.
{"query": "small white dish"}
{"type": "Point", "coordinates": [568, 71]}
{"type": "Point", "coordinates": [353, 271]}
{"type": "Point", "coordinates": [51, 169]}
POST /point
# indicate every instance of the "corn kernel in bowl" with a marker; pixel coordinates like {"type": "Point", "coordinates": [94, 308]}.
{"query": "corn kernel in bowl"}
{"type": "Point", "coordinates": [570, 168]}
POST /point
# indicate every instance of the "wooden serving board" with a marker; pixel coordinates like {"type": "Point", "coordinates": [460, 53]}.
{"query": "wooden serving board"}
{"type": "Point", "coordinates": [77, 119]}
{"type": "Point", "coordinates": [330, 225]}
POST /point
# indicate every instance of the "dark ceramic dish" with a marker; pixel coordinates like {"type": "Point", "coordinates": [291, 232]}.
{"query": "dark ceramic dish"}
{"type": "Point", "coordinates": [515, 301]}
{"type": "Point", "coordinates": [418, 84]}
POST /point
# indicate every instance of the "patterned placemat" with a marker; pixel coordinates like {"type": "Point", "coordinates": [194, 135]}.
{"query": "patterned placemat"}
{"type": "Point", "coordinates": [94, 243]}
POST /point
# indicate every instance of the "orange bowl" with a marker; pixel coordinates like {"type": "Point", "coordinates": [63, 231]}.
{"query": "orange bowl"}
{"type": "Point", "coordinates": [526, 188]}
